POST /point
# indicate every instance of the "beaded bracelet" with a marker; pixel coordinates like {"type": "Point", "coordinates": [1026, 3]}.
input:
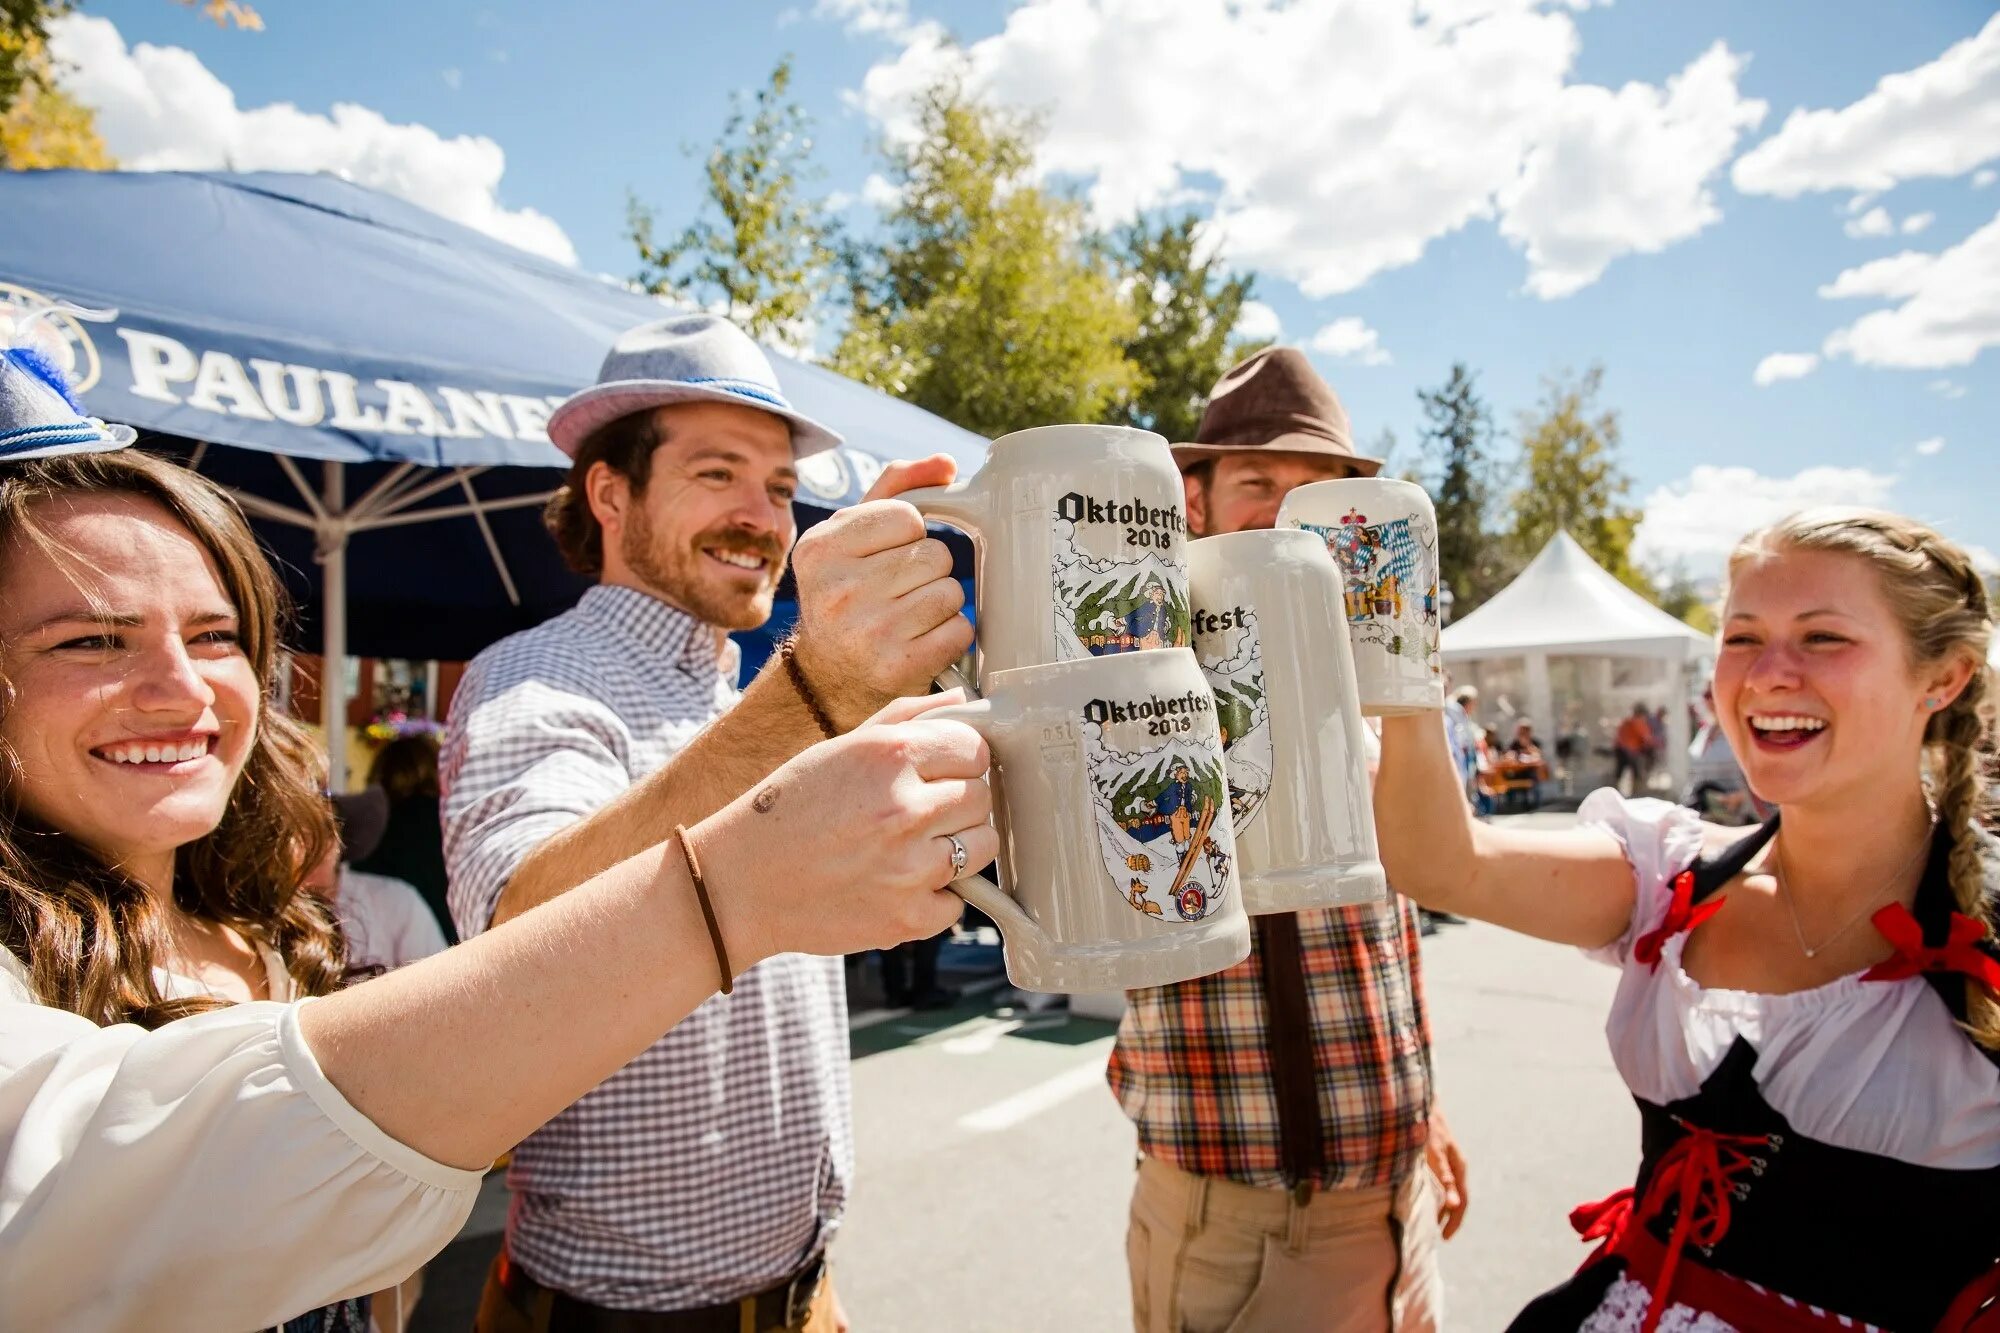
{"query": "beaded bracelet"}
{"type": "Point", "coordinates": [786, 648]}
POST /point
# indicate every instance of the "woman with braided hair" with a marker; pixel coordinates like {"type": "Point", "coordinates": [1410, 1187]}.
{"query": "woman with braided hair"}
{"type": "Point", "coordinates": [1806, 1013]}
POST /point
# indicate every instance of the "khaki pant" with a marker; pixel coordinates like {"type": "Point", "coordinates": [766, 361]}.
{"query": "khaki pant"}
{"type": "Point", "coordinates": [499, 1313]}
{"type": "Point", "coordinates": [1213, 1256]}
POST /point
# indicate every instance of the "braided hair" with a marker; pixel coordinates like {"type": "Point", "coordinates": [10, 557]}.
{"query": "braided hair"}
{"type": "Point", "coordinates": [1941, 599]}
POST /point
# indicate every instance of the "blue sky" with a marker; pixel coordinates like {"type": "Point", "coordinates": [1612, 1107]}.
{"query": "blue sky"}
{"type": "Point", "coordinates": [1522, 186]}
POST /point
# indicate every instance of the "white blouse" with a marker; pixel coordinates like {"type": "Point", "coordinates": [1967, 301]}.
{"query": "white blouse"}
{"type": "Point", "coordinates": [1875, 1066]}
{"type": "Point", "coordinates": [204, 1176]}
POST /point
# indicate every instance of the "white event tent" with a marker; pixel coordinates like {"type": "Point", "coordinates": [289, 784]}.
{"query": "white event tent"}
{"type": "Point", "coordinates": [1569, 647]}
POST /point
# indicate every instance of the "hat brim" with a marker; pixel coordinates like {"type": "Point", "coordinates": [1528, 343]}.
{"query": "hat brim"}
{"type": "Point", "coordinates": [1316, 446]}
{"type": "Point", "coordinates": [88, 436]}
{"type": "Point", "coordinates": [601, 404]}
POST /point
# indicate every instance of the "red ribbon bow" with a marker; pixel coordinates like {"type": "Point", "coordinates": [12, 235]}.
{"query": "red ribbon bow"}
{"type": "Point", "coordinates": [1960, 952]}
{"type": "Point", "coordinates": [1682, 914]}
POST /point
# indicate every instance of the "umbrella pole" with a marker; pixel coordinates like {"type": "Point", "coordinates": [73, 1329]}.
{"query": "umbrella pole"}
{"type": "Point", "coordinates": [333, 606]}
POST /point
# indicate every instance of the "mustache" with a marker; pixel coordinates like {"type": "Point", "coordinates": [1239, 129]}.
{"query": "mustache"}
{"type": "Point", "coordinates": [765, 547]}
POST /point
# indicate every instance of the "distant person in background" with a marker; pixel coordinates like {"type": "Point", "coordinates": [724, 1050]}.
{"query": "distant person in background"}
{"type": "Point", "coordinates": [1716, 787]}
{"type": "Point", "coordinates": [411, 846]}
{"type": "Point", "coordinates": [1633, 747]}
{"type": "Point", "coordinates": [385, 919]}
{"type": "Point", "coordinates": [1462, 734]}
{"type": "Point", "coordinates": [387, 925]}
{"type": "Point", "coordinates": [910, 975]}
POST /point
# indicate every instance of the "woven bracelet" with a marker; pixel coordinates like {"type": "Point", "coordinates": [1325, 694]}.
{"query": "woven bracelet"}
{"type": "Point", "coordinates": [707, 908]}
{"type": "Point", "coordinates": [785, 650]}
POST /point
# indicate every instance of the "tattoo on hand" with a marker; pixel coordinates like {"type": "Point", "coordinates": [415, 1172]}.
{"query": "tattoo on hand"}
{"type": "Point", "coordinates": [765, 799]}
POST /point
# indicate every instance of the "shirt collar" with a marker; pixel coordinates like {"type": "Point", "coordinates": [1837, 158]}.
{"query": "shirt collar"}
{"type": "Point", "coordinates": [662, 631]}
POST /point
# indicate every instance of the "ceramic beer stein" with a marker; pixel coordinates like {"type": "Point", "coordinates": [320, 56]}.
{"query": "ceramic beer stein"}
{"type": "Point", "coordinates": [1080, 540]}
{"type": "Point", "coordinates": [1117, 858]}
{"type": "Point", "coordinates": [1383, 537]}
{"type": "Point", "coordinates": [1270, 634]}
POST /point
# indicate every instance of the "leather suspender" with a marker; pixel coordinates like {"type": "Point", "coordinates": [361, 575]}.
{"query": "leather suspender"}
{"type": "Point", "coordinates": [1289, 1040]}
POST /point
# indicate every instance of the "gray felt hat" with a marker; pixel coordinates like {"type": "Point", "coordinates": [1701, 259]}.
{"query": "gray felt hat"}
{"type": "Point", "coordinates": [40, 417]}
{"type": "Point", "coordinates": [683, 359]}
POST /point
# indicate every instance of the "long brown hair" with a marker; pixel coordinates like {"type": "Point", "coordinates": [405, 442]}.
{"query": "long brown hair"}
{"type": "Point", "coordinates": [90, 935]}
{"type": "Point", "coordinates": [1940, 598]}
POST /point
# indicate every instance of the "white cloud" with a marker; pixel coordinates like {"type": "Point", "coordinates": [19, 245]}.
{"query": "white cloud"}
{"type": "Point", "coordinates": [1916, 222]}
{"type": "Point", "coordinates": [879, 192]}
{"type": "Point", "coordinates": [1785, 366]}
{"type": "Point", "coordinates": [1940, 119]}
{"type": "Point", "coordinates": [1875, 222]}
{"type": "Point", "coordinates": [1339, 139]}
{"type": "Point", "coordinates": [1950, 307]}
{"type": "Point", "coordinates": [1697, 521]}
{"type": "Point", "coordinates": [160, 109]}
{"type": "Point", "coordinates": [1350, 338]}
{"type": "Point", "coordinates": [1932, 447]}
{"type": "Point", "coordinates": [454, 78]}
{"type": "Point", "coordinates": [1614, 173]}
{"type": "Point", "coordinates": [1947, 389]}
{"type": "Point", "coordinates": [872, 18]}
{"type": "Point", "coordinates": [1257, 322]}
{"type": "Point", "coordinates": [1983, 559]}
{"type": "Point", "coordinates": [1982, 179]}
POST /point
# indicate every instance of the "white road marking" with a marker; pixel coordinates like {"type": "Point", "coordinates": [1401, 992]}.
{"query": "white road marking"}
{"type": "Point", "coordinates": [1032, 1101]}
{"type": "Point", "coordinates": [980, 1037]}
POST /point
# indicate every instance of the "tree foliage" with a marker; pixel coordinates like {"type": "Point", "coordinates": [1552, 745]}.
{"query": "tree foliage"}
{"type": "Point", "coordinates": [1571, 481]}
{"type": "Point", "coordinates": [1459, 468]}
{"type": "Point", "coordinates": [984, 301]}
{"type": "Point", "coordinates": [1186, 306]}
{"type": "Point", "coordinates": [46, 127]}
{"type": "Point", "coordinates": [761, 248]}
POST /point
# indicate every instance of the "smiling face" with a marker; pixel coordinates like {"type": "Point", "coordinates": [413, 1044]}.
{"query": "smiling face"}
{"type": "Point", "coordinates": [133, 707]}
{"type": "Point", "coordinates": [1814, 684]}
{"type": "Point", "coordinates": [711, 528]}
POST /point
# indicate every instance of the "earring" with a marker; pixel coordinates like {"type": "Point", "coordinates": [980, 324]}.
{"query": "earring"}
{"type": "Point", "coordinates": [1933, 704]}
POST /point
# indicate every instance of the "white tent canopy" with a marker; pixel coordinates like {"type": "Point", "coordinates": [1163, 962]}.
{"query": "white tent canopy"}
{"type": "Point", "coordinates": [1565, 606]}
{"type": "Point", "coordinates": [1565, 602]}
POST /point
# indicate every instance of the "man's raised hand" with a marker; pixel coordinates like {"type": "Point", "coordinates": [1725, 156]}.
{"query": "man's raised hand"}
{"type": "Point", "coordinates": [878, 607]}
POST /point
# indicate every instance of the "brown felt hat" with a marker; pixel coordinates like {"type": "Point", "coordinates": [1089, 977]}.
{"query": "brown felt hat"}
{"type": "Point", "coordinates": [1275, 401]}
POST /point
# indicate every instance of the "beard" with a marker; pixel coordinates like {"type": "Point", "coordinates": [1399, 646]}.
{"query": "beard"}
{"type": "Point", "coordinates": [687, 578]}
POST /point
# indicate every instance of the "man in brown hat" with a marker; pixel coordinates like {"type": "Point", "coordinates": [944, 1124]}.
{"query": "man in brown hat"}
{"type": "Point", "coordinates": [1284, 1105]}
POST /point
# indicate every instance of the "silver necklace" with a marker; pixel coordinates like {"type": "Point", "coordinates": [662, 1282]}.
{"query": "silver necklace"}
{"type": "Point", "coordinates": [1785, 892]}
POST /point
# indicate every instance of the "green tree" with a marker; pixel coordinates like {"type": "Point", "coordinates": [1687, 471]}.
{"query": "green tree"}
{"type": "Point", "coordinates": [983, 301]}
{"type": "Point", "coordinates": [1186, 306]}
{"type": "Point", "coordinates": [765, 256]}
{"type": "Point", "coordinates": [1686, 600]}
{"type": "Point", "coordinates": [1571, 481]}
{"type": "Point", "coordinates": [1458, 445]}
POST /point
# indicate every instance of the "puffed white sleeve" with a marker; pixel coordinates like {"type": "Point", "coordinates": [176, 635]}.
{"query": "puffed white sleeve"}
{"type": "Point", "coordinates": [203, 1176]}
{"type": "Point", "coordinates": [1660, 840]}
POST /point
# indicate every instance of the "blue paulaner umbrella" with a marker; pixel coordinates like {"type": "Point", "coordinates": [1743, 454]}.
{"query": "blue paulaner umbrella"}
{"type": "Point", "coordinates": [371, 369]}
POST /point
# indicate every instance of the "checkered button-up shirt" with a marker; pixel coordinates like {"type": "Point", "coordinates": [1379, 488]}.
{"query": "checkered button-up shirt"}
{"type": "Point", "coordinates": [1192, 1066]}
{"type": "Point", "coordinates": [718, 1162]}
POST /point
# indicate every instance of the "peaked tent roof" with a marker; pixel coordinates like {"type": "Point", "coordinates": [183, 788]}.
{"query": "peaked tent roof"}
{"type": "Point", "coordinates": [1565, 602]}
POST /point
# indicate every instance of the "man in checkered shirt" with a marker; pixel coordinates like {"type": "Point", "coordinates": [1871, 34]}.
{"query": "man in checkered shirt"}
{"type": "Point", "coordinates": [697, 1188]}
{"type": "Point", "coordinates": [1243, 1216]}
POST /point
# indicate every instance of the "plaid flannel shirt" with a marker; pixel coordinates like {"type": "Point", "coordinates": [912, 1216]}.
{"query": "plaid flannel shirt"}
{"type": "Point", "coordinates": [1192, 1067]}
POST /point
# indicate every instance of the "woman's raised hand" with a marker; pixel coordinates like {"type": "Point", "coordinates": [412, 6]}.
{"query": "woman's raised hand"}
{"type": "Point", "coordinates": [847, 847]}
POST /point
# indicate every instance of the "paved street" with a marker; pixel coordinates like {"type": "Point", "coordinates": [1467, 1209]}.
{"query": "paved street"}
{"type": "Point", "coordinates": [994, 1166]}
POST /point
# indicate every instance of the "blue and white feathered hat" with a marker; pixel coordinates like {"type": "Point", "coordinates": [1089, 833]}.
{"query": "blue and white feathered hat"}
{"type": "Point", "coordinates": [40, 416]}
